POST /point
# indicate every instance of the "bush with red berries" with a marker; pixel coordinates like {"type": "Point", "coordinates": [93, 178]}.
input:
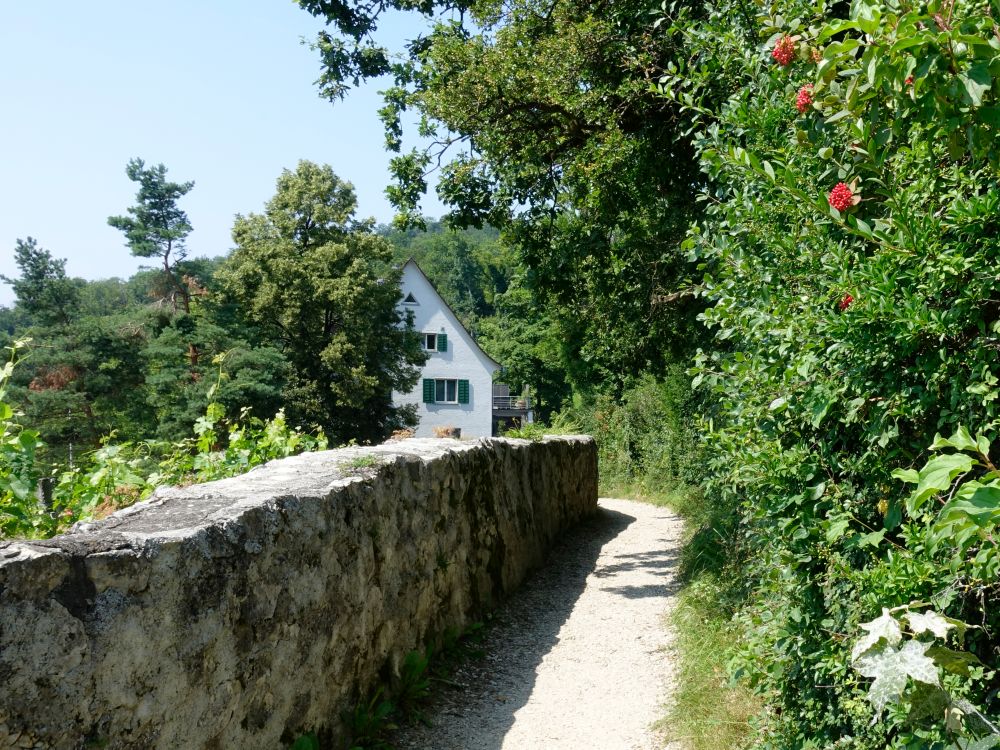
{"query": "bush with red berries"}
{"type": "Point", "coordinates": [823, 408]}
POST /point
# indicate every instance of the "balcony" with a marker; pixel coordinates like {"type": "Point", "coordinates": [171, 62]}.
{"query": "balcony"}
{"type": "Point", "coordinates": [512, 403]}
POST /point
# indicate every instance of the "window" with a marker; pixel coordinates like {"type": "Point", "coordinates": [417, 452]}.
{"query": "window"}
{"type": "Point", "coordinates": [410, 300]}
{"type": "Point", "coordinates": [446, 391]}
{"type": "Point", "coordinates": [435, 342]}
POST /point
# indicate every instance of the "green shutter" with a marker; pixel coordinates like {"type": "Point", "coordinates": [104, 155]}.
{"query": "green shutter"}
{"type": "Point", "coordinates": [463, 391]}
{"type": "Point", "coordinates": [442, 341]}
{"type": "Point", "coordinates": [428, 391]}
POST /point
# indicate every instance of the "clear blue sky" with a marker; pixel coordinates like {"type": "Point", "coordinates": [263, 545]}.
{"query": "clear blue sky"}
{"type": "Point", "coordinates": [221, 91]}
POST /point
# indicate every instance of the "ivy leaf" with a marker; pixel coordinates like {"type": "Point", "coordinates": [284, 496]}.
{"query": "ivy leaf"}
{"type": "Point", "coordinates": [891, 669]}
{"type": "Point", "coordinates": [928, 622]}
{"type": "Point", "coordinates": [885, 627]}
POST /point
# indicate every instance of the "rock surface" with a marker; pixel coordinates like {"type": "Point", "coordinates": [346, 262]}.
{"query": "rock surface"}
{"type": "Point", "coordinates": [243, 612]}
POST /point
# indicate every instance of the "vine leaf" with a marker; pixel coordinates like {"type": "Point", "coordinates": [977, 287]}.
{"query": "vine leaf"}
{"type": "Point", "coordinates": [891, 668]}
{"type": "Point", "coordinates": [928, 622]}
{"type": "Point", "coordinates": [884, 627]}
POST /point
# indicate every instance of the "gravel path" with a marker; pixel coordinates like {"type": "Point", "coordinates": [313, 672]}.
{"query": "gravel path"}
{"type": "Point", "coordinates": [578, 657]}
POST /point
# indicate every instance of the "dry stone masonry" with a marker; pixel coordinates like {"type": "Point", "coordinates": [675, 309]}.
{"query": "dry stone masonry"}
{"type": "Point", "coordinates": [243, 612]}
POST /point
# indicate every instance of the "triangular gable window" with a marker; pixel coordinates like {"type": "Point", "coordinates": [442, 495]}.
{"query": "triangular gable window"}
{"type": "Point", "coordinates": [410, 300]}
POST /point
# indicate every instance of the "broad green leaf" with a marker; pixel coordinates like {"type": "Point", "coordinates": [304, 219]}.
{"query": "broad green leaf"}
{"type": "Point", "coordinates": [768, 169]}
{"type": "Point", "coordinates": [777, 403]}
{"type": "Point", "coordinates": [838, 116]}
{"type": "Point", "coordinates": [19, 487]}
{"type": "Point", "coordinates": [910, 476]}
{"type": "Point", "coordinates": [836, 529]}
{"type": "Point", "coordinates": [937, 477]}
{"type": "Point", "coordinates": [977, 81]}
{"type": "Point", "coordinates": [961, 440]}
{"type": "Point", "coordinates": [956, 662]}
{"type": "Point", "coordinates": [874, 539]}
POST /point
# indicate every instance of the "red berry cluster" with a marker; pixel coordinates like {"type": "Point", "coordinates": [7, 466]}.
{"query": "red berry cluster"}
{"type": "Point", "coordinates": [845, 302]}
{"type": "Point", "coordinates": [805, 98]}
{"type": "Point", "coordinates": [784, 50]}
{"type": "Point", "coordinates": [909, 80]}
{"type": "Point", "coordinates": [841, 197]}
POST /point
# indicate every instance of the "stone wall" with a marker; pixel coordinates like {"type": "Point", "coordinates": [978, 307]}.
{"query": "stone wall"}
{"type": "Point", "coordinates": [240, 613]}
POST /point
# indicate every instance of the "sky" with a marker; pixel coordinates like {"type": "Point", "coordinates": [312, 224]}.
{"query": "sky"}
{"type": "Point", "coordinates": [220, 91]}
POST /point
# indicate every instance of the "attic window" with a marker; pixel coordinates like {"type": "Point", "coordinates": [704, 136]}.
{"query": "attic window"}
{"type": "Point", "coordinates": [410, 300]}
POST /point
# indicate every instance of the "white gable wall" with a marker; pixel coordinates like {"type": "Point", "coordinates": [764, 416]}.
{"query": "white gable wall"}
{"type": "Point", "coordinates": [464, 360]}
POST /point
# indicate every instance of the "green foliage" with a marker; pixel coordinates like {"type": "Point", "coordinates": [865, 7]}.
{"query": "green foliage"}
{"type": "Point", "coordinates": [306, 742]}
{"type": "Point", "coordinates": [369, 721]}
{"type": "Point", "coordinates": [43, 289]}
{"type": "Point", "coordinates": [20, 512]}
{"type": "Point", "coordinates": [119, 474]}
{"type": "Point", "coordinates": [156, 227]}
{"type": "Point", "coordinates": [645, 435]}
{"type": "Point", "coordinates": [546, 125]}
{"type": "Point", "coordinates": [320, 288]}
{"type": "Point", "coordinates": [845, 338]}
{"type": "Point", "coordinates": [709, 711]}
{"type": "Point", "coordinates": [533, 431]}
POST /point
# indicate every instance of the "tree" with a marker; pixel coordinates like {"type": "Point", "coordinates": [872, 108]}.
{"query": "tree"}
{"type": "Point", "coordinates": [545, 122]}
{"type": "Point", "coordinates": [156, 226]}
{"type": "Point", "coordinates": [43, 290]}
{"type": "Point", "coordinates": [321, 286]}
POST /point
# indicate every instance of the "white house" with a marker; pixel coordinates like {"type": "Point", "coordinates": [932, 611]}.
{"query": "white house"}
{"type": "Point", "coordinates": [456, 384]}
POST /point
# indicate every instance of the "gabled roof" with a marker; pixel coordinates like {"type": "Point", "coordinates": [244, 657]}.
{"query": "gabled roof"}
{"type": "Point", "coordinates": [451, 312]}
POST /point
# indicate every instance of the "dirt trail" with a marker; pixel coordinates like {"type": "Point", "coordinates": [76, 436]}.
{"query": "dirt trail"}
{"type": "Point", "coordinates": [579, 657]}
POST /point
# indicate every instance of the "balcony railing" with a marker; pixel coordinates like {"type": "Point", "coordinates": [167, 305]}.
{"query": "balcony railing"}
{"type": "Point", "coordinates": [512, 403]}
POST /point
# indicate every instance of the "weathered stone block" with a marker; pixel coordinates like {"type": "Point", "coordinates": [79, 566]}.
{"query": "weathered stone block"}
{"type": "Point", "coordinates": [243, 612]}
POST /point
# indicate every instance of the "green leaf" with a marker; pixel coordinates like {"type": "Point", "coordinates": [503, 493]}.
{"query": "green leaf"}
{"type": "Point", "coordinates": [777, 403]}
{"type": "Point", "coordinates": [838, 116]}
{"type": "Point", "coordinates": [937, 477]}
{"type": "Point", "coordinates": [910, 476]}
{"type": "Point", "coordinates": [836, 529]}
{"type": "Point", "coordinates": [977, 81]}
{"type": "Point", "coordinates": [19, 487]}
{"type": "Point", "coordinates": [874, 539]}
{"type": "Point", "coordinates": [769, 170]}
{"type": "Point", "coordinates": [961, 440]}
{"type": "Point", "coordinates": [956, 662]}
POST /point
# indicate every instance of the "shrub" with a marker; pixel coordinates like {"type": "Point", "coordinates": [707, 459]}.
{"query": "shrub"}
{"type": "Point", "coordinates": [848, 256]}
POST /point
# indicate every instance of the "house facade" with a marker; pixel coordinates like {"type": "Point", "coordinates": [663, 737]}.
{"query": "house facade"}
{"type": "Point", "coordinates": [456, 383]}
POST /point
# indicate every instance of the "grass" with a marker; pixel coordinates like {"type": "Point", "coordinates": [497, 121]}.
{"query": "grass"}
{"type": "Point", "coordinates": [708, 710]}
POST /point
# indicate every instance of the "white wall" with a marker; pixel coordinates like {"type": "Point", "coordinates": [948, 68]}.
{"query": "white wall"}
{"type": "Point", "coordinates": [464, 360]}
